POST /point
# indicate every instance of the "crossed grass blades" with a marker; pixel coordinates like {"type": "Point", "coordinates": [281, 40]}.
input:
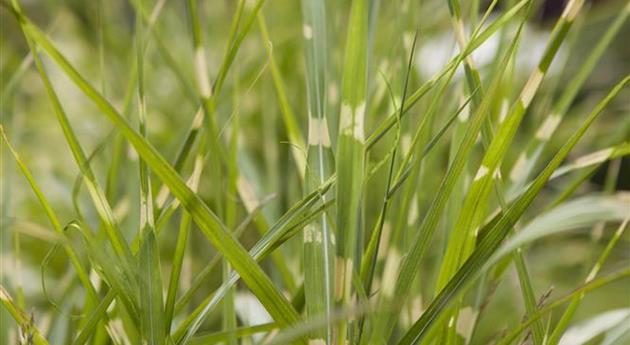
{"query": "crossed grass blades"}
{"type": "Point", "coordinates": [358, 199]}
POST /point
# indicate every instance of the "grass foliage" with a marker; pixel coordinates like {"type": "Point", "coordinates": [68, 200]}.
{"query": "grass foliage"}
{"type": "Point", "coordinates": [314, 172]}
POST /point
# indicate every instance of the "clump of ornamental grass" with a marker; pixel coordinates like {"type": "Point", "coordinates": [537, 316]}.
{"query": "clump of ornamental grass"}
{"type": "Point", "coordinates": [314, 172]}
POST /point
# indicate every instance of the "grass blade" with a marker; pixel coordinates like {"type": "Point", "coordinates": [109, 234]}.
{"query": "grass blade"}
{"type": "Point", "coordinates": [350, 155]}
{"type": "Point", "coordinates": [152, 326]}
{"type": "Point", "coordinates": [288, 116]}
{"type": "Point", "coordinates": [318, 245]}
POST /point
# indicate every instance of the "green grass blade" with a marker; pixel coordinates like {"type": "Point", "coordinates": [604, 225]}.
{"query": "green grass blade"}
{"type": "Point", "coordinates": [152, 311]}
{"type": "Point", "coordinates": [229, 311]}
{"type": "Point", "coordinates": [318, 245]}
{"type": "Point", "coordinates": [92, 321]}
{"type": "Point", "coordinates": [178, 259]}
{"type": "Point", "coordinates": [350, 155]}
{"type": "Point", "coordinates": [288, 116]}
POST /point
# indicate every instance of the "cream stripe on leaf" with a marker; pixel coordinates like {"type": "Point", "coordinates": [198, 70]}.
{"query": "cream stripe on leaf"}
{"type": "Point", "coordinates": [531, 87]}
{"type": "Point", "coordinates": [318, 132]}
{"type": "Point", "coordinates": [201, 73]}
{"type": "Point", "coordinates": [548, 127]}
